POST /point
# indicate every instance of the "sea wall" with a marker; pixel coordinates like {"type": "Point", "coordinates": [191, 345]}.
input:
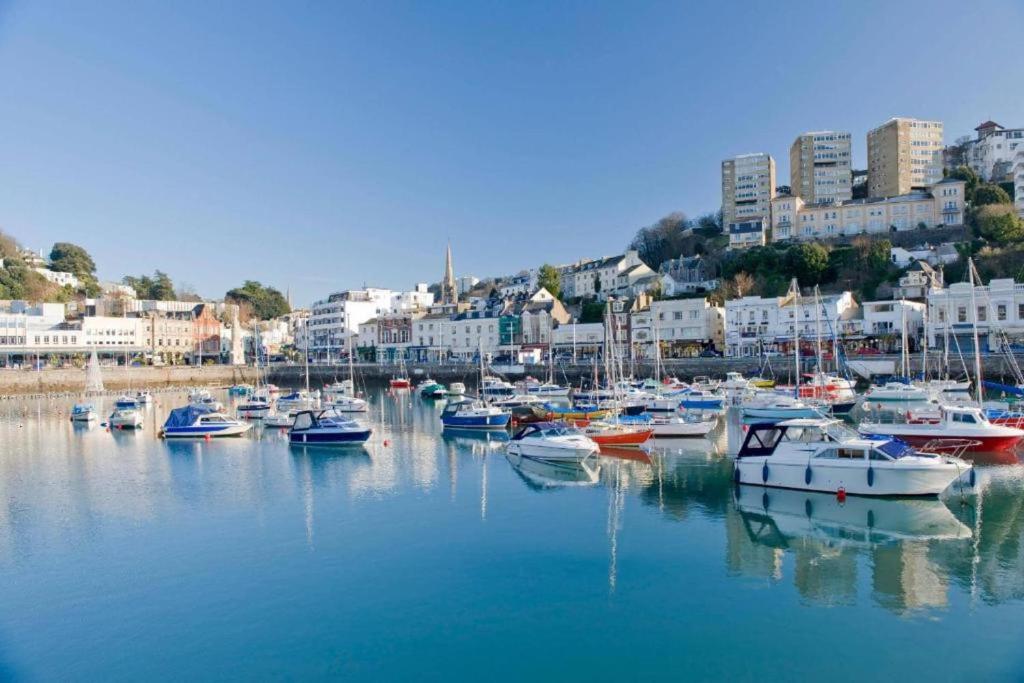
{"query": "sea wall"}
{"type": "Point", "coordinates": [70, 379]}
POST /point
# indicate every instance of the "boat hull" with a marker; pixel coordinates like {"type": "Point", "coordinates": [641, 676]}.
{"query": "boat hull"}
{"type": "Point", "coordinates": [623, 439]}
{"type": "Point", "coordinates": [329, 437]}
{"type": "Point", "coordinates": [203, 432]}
{"type": "Point", "coordinates": [854, 480]}
{"type": "Point", "coordinates": [914, 437]}
{"type": "Point", "coordinates": [481, 422]}
{"type": "Point", "coordinates": [780, 413]}
{"type": "Point", "coordinates": [551, 454]}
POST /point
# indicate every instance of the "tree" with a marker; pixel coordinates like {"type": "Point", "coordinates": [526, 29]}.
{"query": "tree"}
{"type": "Point", "coordinates": [987, 194]}
{"type": "Point", "coordinates": [549, 278]}
{"type": "Point", "coordinates": [1000, 224]}
{"type": "Point", "coordinates": [158, 286]}
{"type": "Point", "coordinates": [66, 257]}
{"type": "Point", "coordinates": [266, 302]}
{"type": "Point", "coordinates": [970, 178]}
{"type": "Point", "coordinates": [662, 241]}
{"type": "Point", "coordinates": [807, 262]}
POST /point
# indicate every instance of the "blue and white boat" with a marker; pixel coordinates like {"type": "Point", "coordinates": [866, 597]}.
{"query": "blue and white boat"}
{"type": "Point", "coordinates": [327, 428]}
{"type": "Point", "coordinates": [126, 403]}
{"type": "Point", "coordinates": [197, 421]}
{"type": "Point", "coordinates": [474, 415]}
{"type": "Point", "coordinates": [256, 408]}
{"type": "Point", "coordinates": [297, 400]}
{"type": "Point", "coordinates": [769, 405]}
{"type": "Point", "coordinates": [83, 412]}
{"type": "Point", "coordinates": [700, 399]}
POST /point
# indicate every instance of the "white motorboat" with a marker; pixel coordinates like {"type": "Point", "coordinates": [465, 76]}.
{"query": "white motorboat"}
{"type": "Point", "coordinates": [144, 398]}
{"type": "Point", "coordinates": [494, 386]}
{"type": "Point", "coordinates": [945, 388]}
{"type": "Point", "coordinates": [736, 383]}
{"type": "Point", "coordinates": [456, 389]}
{"type": "Point", "coordinates": [681, 426]}
{"type": "Point", "coordinates": [547, 390]}
{"type": "Point", "coordinates": [196, 421]}
{"type": "Point", "coordinates": [517, 400]}
{"type": "Point", "coordinates": [125, 418]}
{"type": "Point", "coordinates": [339, 389]}
{"type": "Point", "coordinates": [347, 404]}
{"type": "Point", "coordinates": [952, 424]}
{"type": "Point", "coordinates": [896, 391]}
{"type": "Point", "coordinates": [83, 412]}
{"type": "Point", "coordinates": [256, 408]}
{"type": "Point", "coordinates": [278, 420]}
{"type": "Point", "coordinates": [771, 405]}
{"type": "Point", "coordinates": [552, 442]}
{"type": "Point", "coordinates": [823, 455]}
{"type": "Point", "coordinates": [296, 400]}
{"type": "Point", "coordinates": [204, 399]}
{"type": "Point", "coordinates": [653, 403]}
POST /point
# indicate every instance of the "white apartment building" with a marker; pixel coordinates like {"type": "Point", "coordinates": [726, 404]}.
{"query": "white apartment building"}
{"type": "Point", "coordinates": [519, 284]}
{"type": "Point", "coordinates": [998, 308]}
{"type": "Point", "coordinates": [602, 277]}
{"type": "Point", "coordinates": [884, 318]}
{"type": "Point", "coordinates": [334, 319]}
{"type": "Point", "coordinates": [748, 186]}
{"type": "Point", "coordinates": [116, 334]}
{"type": "Point", "coordinates": [468, 333]}
{"type": "Point", "coordinates": [942, 205]}
{"type": "Point", "coordinates": [28, 329]}
{"type": "Point", "coordinates": [683, 327]}
{"type": "Point", "coordinates": [904, 155]}
{"type": "Point", "coordinates": [465, 284]}
{"type": "Point", "coordinates": [754, 323]}
{"type": "Point", "coordinates": [993, 153]}
{"type": "Point", "coordinates": [58, 278]}
{"type": "Point", "coordinates": [819, 167]}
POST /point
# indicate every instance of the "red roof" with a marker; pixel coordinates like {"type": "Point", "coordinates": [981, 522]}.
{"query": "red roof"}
{"type": "Point", "coordinates": [988, 124]}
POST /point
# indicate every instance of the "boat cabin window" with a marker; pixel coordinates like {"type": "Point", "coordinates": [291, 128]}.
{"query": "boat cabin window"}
{"type": "Point", "coordinates": [966, 418]}
{"type": "Point", "coordinates": [841, 454]}
{"type": "Point", "coordinates": [878, 455]}
{"type": "Point", "coordinates": [805, 435]}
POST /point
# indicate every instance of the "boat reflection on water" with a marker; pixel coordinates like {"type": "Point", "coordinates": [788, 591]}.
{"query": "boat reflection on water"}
{"type": "Point", "coordinates": [685, 447]}
{"type": "Point", "coordinates": [474, 437]}
{"type": "Point", "coordinates": [542, 475]}
{"type": "Point", "coordinates": [779, 516]}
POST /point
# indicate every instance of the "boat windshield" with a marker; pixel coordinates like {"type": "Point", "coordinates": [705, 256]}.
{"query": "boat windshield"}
{"type": "Point", "coordinates": [838, 431]}
{"type": "Point", "coordinates": [897, 449]}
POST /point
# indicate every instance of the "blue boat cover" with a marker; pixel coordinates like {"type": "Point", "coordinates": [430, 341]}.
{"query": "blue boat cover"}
{"type": "Point", "coordinates": [184, 417]}
{"type": "Point", "coordinates": [1005, 388]}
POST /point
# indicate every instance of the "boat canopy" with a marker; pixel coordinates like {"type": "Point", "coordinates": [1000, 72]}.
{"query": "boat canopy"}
{"type": "Point", "coordinates": [560, 427]}
{"type": "Point", "coordinates": [185, 417]}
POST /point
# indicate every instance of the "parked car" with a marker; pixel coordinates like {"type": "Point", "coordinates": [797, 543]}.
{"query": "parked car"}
{"type": "Point", "coordinates": [710, 353]}
{"type": "Point", "coordinates": [868, 351]}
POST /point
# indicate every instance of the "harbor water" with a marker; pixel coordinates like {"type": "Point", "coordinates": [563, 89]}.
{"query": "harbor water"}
{"type": "Point", "coordinates": [430, 556]}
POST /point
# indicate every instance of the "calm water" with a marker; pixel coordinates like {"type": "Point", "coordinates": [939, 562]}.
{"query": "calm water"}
{"type": "Point", "coordinates": [430, 557]}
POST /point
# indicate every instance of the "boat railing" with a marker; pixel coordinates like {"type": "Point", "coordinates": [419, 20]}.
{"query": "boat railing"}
{"type": "Point", "coordinates": [952, 447]}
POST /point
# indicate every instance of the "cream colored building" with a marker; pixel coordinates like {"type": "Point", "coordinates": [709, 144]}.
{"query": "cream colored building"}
{"type": "Point", "coordinates": [819, 167]}
{"type": "Point", "coordinates": [904, 155]}
{"type": "Point", "coordinates": [943, 204]}
{"type": "Point", "coordinates": [748, 185]}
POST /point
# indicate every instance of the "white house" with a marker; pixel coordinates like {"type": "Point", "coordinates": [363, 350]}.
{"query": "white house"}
{"type": "Point", "coordinates": [998, 308]}
{"type": "Point", "coordinates": [685, 275]}
{"type": "Point", "coordinates": [755, 323]}
{"type": "Point", "coordinates": [334, 319]}
{"type": "Point", "coordinates": [58, 278]}
{"type": "Point", "coordinates": [883, 318]}
{"type": "Point", "coordinates": [683, 327]}
{"type": "Point", "coordinates": [601, 277]}
{"type": "Point", "coordinates": [578, 339]}
{"type": "Point", "coordinates": [747, 234]}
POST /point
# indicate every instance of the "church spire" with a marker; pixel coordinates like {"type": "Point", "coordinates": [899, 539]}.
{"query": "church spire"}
{"type": "Point", "coordinates": [449, 292]}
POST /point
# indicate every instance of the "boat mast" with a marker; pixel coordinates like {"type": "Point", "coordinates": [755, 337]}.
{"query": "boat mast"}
{"type": "Point", "coordinates": [924, 344]}
{"type": "Point", "coordinates": [817, 326]}
{"type": "Point", "coordinates": [904, 356]}
{"type": "Point", "coordinates": [794, 290]}
{"type": "Point", "coordinates": [974, 332]}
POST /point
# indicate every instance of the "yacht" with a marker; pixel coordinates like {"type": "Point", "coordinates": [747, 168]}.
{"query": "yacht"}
{"type": "Point", "coordinates": [456, 389]}
{"type": "Point", "coordinates": [682, 426]}
{"type": "Point", "coordinates": [552, 442]}
{"type": "Point", "coordinates": [240, 389]}
{"type": "Point", "coordinates": [547, 390]}
{"type": "Point", "coordinates": [493, 386]}
{"type": "Point", "coordinates": [327, 428]}
{"type": "Point", "coordinates": [469, 414]}
{"type": "Point", "coordinates": [202, 398]}
{"type": "Point", "coordinates": [517, 400]}
{"type": "Point", "coordinates": [896, 391]}
{"type": "Point", "coordinates": [347, 404]}
{"type": "Point", "coordinates": [83, 412]}
{"type": "Point", "coordinates": [428, 388]}
{"type": "Point", "coordinates": [125, 402]}
{"type": "Point", "coordinates": [296, 400]}
{"type": "Point", "coordinates": [701, 399]}
{"type": "Point", "coordinates": [954, 425]}
{"type": "Point", "coordinates": [256, 408]}
{"type": "Point", "coordinates": [125, 418]}
{"type": "Point", "coordinates": [775, 406]}
{"type": "Point", "coordinates": [824, 455]}
{"type": "Point", "coordinates": [339, 389]}
{"type": "Point", "coordinates": [194, 421]}
{"type": "Point", "coordinates": [278, 420]}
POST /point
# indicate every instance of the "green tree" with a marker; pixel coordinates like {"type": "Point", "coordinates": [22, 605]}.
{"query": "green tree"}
{"type": "Point", "coordinates": [999, 223]}
{"type": "Point", "coordinates": [807, 262]}
{"type": "Point", "coordinates": [158, 286]}
{"type": "Point", "coordinates": [549, 279]}
{"type": "Point", "coordinates": [66, 257]}
{"type": "Point", "coordinates": [988, 193]}
{"type": "Point", "coordinates": [265, 302]}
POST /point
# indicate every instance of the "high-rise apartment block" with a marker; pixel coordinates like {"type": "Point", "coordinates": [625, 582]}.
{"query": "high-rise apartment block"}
{"type": "Point", "coordinates": [819, 167]}
{"type": "Point", "coordinates": [748, 186]}
{"type": "Point", "coordinates": [904, 155]}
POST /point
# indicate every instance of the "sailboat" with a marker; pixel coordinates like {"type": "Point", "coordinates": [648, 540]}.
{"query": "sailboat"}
{"type": "Point", "coordinates": [899, 391]}
{"type": "Point", "coordinates": [348, 402]}
{"type": "Point", "coordinates": [257, 407]}
{"type": "Point", "coordinates": [401, 380]}
{"type": "Point", "coordinates": [475, 413]}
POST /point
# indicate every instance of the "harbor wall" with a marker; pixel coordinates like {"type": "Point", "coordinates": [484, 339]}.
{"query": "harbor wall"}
{"type": "Point", "coordinates": [60, 380]}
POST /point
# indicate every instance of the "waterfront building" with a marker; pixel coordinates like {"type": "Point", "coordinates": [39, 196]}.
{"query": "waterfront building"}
{"type": "Point", "coordinates": [940, 205]}
{"type": "Point", "coordinates": [333, 320]}
{"type": "Point", "coordinates": [538, 315]}
{"type": "Point", "coordinates": [747, 234]}
{"type": "Point", "coordinates": [206, 330]}
{"type": "Point", "coordinates": [686, 275]}
{"type": "Point", "coordinates": [883, 322]}
{"type": "Point", "coordinates": [429, 337]}
{"type": "Point", "coordinates": [904, 155]}
{"type": "Point", "coordinates": [27, 330]}
{"type": "Point", "coordinates": [116, 334]}
{"type": "Point", "coordinates": [819, 167]}
{"type": "Point", "coordinates": [992, 154]}
{"type": "Point", "coordinates": [919, 280]}
{"type": "Point", "coordinates": [467, 333]}
{"type": "Point", "coordinates": [683, 328]}
{"type": "Point", "coordinates": [754, 324]}
{"type": "Point", "coordinates": [748, 185]}
{"type": "Point", "coordinates": [998, 310]}
{"type": "Point", "coordinates": [577, 340]}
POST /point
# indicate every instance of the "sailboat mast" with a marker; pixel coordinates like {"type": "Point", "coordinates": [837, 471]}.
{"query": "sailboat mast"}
{"type": "Point", "coordinates": [924, 344]}
{"type": "Point", "coordinates": [904, 357]}
{"type": "Point", "coordinates": [794, 290]}
{"type": "Point", "coordinates": [974, 332]}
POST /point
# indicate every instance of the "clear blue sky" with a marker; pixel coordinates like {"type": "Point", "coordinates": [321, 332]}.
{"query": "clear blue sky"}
{"type": "Point", "coordinates": [325, 145]}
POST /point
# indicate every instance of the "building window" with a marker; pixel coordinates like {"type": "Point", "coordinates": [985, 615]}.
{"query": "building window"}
{"type": "Point", "coordinates": [1001, 312]}
{"type": "Point", "coordinates": [961, 314]}
{"type": "Point", "coordinates": [982, 313]}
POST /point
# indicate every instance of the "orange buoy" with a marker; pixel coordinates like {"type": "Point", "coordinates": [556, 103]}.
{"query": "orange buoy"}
{"type": "Point", "coordinates": [206, 437]}
{"type": "Point", "coordinates": [841, 495]}
{"type": "Point", "coordinates": [387, 442]}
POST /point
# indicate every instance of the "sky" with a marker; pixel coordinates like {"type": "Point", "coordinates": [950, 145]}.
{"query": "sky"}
{"type": "Point", "coordinates": [318, 146]}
